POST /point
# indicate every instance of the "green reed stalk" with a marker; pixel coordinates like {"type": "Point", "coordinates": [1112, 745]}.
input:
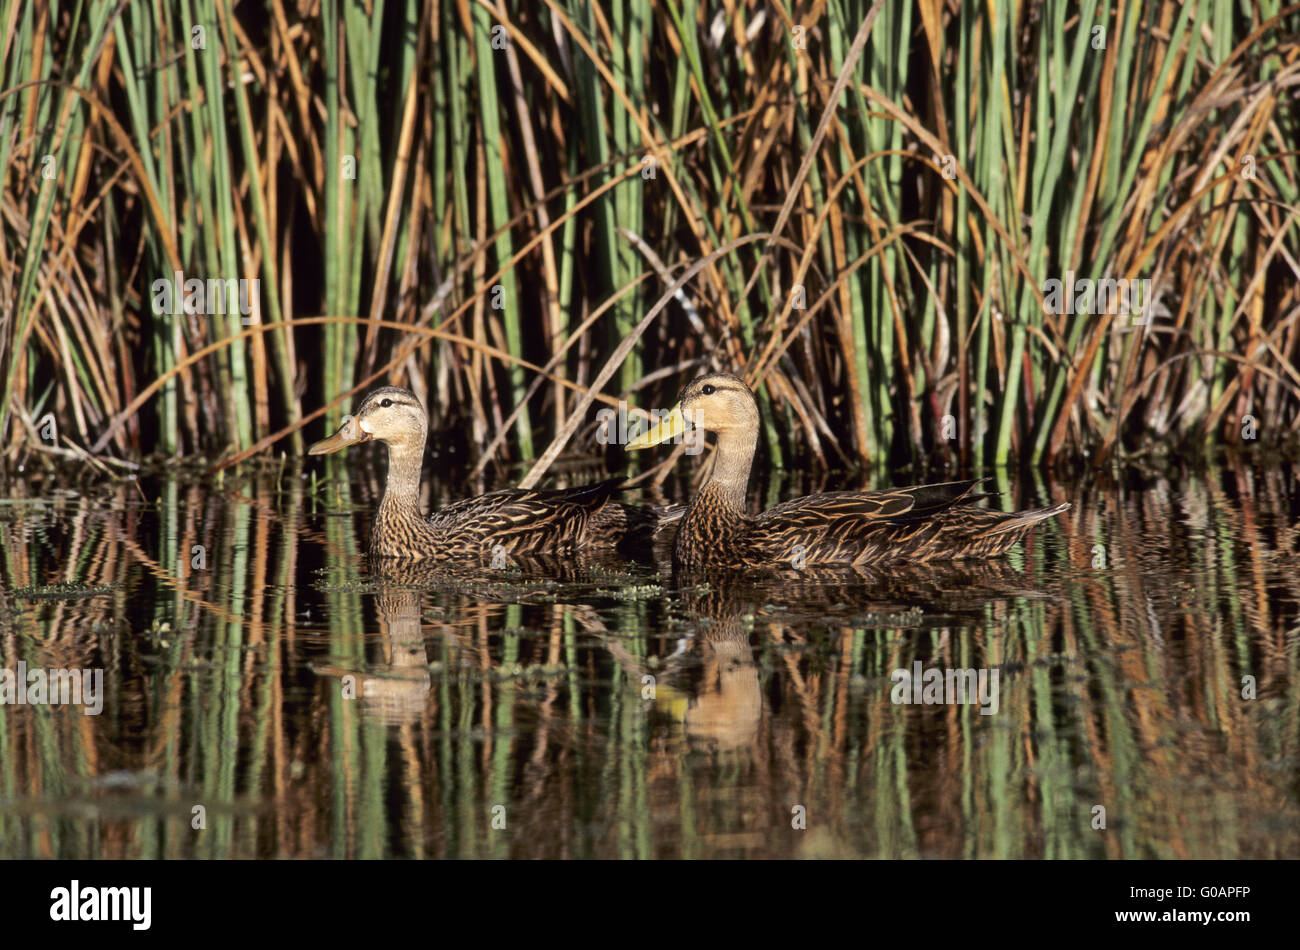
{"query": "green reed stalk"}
{"type": "Point", "coordinates": [236, 387]}
{"type": "Point", "coordinates": [265, 239]}
{"type": "Point", "coordinates": [499, 206]}
{"type": "Point", "coordinates": [340, 341]}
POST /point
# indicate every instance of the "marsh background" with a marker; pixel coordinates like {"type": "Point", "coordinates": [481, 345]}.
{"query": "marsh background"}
{"type": "Point", "coordinates": [497, 205]}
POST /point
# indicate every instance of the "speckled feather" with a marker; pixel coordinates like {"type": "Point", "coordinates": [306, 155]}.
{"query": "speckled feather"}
{"type": "Point", "coordinates": [921, 524]}
{"type": "Point", "coordinates": [516, 520]}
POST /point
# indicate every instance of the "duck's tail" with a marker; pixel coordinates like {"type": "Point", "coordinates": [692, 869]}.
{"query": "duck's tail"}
{"type": "Point", "coordinates": [1021, 520]}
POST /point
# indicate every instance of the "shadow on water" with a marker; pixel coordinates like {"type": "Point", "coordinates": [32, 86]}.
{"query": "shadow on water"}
{"type": "Point", "coordinates": [266, 694]}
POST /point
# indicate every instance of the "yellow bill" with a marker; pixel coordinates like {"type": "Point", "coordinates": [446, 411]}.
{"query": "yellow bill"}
{"type": "Point", "coordinates": [350, 433]}
{"type": "Point", "coordinates": [665, 430]}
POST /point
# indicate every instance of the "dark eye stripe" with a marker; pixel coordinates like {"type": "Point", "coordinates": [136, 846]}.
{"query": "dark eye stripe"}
{"type": "Point", "coordinates": [388, 401]}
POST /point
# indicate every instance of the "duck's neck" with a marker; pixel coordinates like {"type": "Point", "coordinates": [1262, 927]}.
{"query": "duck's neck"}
{"type": "Point", "coordinates": [400, 530]}
{"type": "Point", "coordinates": [717, 514]}
{"type": "Point", "coordinates": [402, 491]}
{"type": "Point", "coordinates": [735, 455]}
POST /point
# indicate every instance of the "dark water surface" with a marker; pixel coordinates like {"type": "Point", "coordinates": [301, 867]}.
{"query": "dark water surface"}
{"type": "Point", "coordinates": [292, 704]}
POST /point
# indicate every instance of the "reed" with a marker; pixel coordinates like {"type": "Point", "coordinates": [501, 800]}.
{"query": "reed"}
{"type": "Point", "coordinates": [497, 172]}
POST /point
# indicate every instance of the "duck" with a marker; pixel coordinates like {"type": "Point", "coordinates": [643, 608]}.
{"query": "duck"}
{"type": "Point", "coordinates": [509, 521]}
{"type": "Point", "coordinates": [918, 525]}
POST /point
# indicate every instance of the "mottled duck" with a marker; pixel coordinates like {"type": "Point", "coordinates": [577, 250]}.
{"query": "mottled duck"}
{"type": "Point", "coordinates": [509, 521]}
{"type": "Point", "coordinates": [921, 524]}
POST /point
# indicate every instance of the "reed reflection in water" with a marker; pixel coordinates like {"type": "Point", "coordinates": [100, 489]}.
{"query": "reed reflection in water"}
{"type": "Point", "coordinates": [263, 683]}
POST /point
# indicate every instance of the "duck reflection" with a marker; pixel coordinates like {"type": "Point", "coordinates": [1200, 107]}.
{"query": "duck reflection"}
{"type": "Point", "coordinates": [395, 688]}
{"type": "Point", "coordinates": [398, 693]}
{"type": "Point", "coordinates": [713, 686]}
{"type": "Point", "coordinates": [719, 702]}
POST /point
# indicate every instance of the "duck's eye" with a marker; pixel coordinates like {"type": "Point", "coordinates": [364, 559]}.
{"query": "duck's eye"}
{"type": "Point", "coordinates": [385, 403]}
{"type": "Point", "coordinates": [708, 390]}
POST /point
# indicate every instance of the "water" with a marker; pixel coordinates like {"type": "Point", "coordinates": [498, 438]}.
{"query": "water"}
{"type": "Point", "coordinates": [265, 696]}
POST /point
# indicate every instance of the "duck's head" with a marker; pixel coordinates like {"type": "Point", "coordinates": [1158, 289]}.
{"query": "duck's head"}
{"type": "Point", "coordinates": [716, 402]}
{"type": "Point", "coordinates": [392, 415]}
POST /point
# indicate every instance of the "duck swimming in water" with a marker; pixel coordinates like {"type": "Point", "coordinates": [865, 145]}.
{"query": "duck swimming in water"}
{"type": "Point", "coordinates": [937, 522]}
{"type": "Point", "coordinates": [513, 520]}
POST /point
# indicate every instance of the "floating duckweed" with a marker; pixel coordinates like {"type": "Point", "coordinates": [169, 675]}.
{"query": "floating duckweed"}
{"type": "Point", "coordinates": [67, 590]}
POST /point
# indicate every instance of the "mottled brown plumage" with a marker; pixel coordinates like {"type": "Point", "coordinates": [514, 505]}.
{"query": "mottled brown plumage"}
{"type": "Point", "coordinates": [509, 521]}
{"type": "Point", "coordinates": [921, 524]}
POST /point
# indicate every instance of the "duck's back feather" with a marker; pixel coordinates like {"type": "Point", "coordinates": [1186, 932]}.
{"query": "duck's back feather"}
{"type": "Point", "coordinates": [551, 521]}
{"type": "Point", "coordinates": [918, 524]}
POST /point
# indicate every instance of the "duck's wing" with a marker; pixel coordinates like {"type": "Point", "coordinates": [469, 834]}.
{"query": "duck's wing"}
{"type": "Point", "coordinates": [522, 520]}
{"type": "Point", "coordinates": [825, 528]}
{"type": "Point", "coordinates": [922, 523]}
{"type": "Point", "coordinates": [636, 530]}
{"type": "Point", "coordinates": [845, 510]}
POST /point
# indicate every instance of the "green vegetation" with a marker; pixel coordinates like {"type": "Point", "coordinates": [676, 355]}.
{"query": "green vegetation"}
{"type": "Point", "coordinates": [485, 202]}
